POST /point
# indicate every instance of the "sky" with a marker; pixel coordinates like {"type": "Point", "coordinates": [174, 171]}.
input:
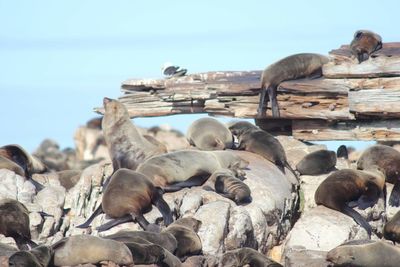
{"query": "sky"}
{"type": "Point", "coordinates": [58, 59]}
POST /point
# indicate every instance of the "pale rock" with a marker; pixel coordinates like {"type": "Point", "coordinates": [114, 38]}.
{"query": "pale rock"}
{"type": "Point", "coordinates": [48, 228]}
{"type": "Point", "coordinates": [240, 230]}
{"type": "Point", "coordinates": [46, 179]}
{"type": "Point", "coordinates": [8, 241]}
{"type": "Point", "coordinates": [51, 196]}
{"type": "Point", "coordinates": [35, 220]}
{"type": "Point", "coordinates": [333, 229]}
{"type": "Point", "coordinates": [214, 217]}
{"type": "Point", "coordinates": [27, 192]}
{"type": "Point", "coordinates": [9, 181]}
{"type": "Point", "coordinates": [309, 184]}
{"type": "Point", "coordinates": [190, 204]}
{"type": "Point", "coordinates": [260, 227]}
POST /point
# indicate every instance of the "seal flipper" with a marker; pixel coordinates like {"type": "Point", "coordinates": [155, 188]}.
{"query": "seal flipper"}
{"type": "Point", "coordinates": [274, 102]}
{"type": "Point", "coordinates": [262, 106]}
{"type": "Point", "coordinates": [192, 181]}
{"type": "Point", "coordinates": [358, 218]}
{"type": "Point", "coordinates": [162, 206]}
{"type": "Point", "coordinates": [114, 222]}
{"type": "Point", "coordinates": [86, 224]}
{"type": "Point", "coordinates": [394, 199]}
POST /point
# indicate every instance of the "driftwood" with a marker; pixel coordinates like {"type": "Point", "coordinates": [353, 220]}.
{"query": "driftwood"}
{"type": "Point", "coordinates": [348, 92]}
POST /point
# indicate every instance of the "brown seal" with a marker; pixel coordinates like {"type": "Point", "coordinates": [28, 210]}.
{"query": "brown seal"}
{"type": "Point", "coordinates": [387, 159]}
{"type": "Point", "coordinates": [251, 138]}
{"type": "Point", "coordinates": [183, 230]}
{"type": "Point", "coordinates": [8, 164]}
{"type": "Point", "coordinates": [69, 178]}
{"type": "Point", "coordinates": [81, 249]}
{"type": "Point", "coordinates": [227, 185]}
{"type": "Point", "coordinates": [38, 257]}
{"type": "Point", "coordinates": [209, 134]}
{"type": "Point", "coordinates": [243, 256]}
{"type": "Point", "coordinates": [289, 68]}
{"type": "Point", "coordinates": [185, 168]}
{"type": "Point", "coordinates": [317, 162]}
{"type": "Point", "coordinates": [364, 43]}
{"type": "Point", "coordinates": [391, 231]}
{"type": "Point", "coordinates": [166, 240]}
{"type": "Point", "coordinates": [347, 185]}
{"type": "Point", "coordinates": [127, 147]}
{"type": "Point", "coordinates": [365, 253]}
{"type": "Point", "coordinates": [127, 196]}
{"type": "Point", "coordinates": [14, 222]}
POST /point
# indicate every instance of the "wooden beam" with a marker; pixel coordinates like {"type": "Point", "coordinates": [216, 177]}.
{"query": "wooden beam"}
{"type": "Point", "coordinates": [319, 130]}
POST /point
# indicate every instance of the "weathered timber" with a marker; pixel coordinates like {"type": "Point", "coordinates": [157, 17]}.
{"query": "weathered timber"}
{"type": "Point", "coordinates": [320, 130]}
{"type": "Point", "coordinates": [382, 63]}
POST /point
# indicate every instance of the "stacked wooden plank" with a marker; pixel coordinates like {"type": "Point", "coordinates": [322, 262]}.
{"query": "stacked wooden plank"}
{"type": "Point", "coordinates": [349, 102]}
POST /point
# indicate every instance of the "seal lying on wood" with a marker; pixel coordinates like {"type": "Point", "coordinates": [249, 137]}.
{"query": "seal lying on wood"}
{"type": "Point", "coordinates": [289, 68]}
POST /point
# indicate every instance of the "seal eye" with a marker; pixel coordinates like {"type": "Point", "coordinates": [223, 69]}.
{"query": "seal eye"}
{"type": "Point", "coordinates": [358, 34]}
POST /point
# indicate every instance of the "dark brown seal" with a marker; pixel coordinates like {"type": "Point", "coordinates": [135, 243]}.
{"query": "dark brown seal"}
{"type": "Point", "coordinates": [127, 196]}
{"type": "Point", "coordinates": [185, 168]}
{"type": "Point", "coordinates": [347, 185]}
{"type": "Point", "coordinates": [38, 257]}
{"type": "Point", "coordinates": [127, 147]}
{"type": "Point", "coordinates": [365, 253]}
{"type": "Point", "coordinates": [289, 68]}
{"type": "Point", "coordinates": [364, 43]}
{"type": "Point", "coordinates": [166, 240]}
{"type": "Point", "coordinates": [387, 159]}
{"type": "Point", "coordinates": [189, 242]}
{"type": "Point", "coordinates": [253, 139]}
{"type": "Point", "coordinates": [227, 185]}
{"type": "Point", "coordinates": [14, 222]}
{"type": "Point", "coordinates": [243, 256]}
{"type": "Point", "coordinates": [317, 162]}
{"type": "Point", "coordinates": [209, 134]}
{"type": "Point", "coordinates": [391, 231]}
{"type": "Point", "coordinates": [81, 249]}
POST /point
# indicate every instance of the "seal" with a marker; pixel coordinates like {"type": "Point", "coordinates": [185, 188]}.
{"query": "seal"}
{"type": "Point", "coordinates": [165, 240]}
{"type": "Point", "coordinates": [14, 222]}
{"type": "Point", "coordinates": [289, 68]}
{"type": "Point", "coordinates": [38, 257]}
{"type": "Point", "coordinates": [387, 159]}
{"type": "Point", "coordinates": [185, 168]}
{"type": "Point", "coordinates": [126, 146]}
{"type": "Point", "coordinates": [209, 134]}
{"type": "Point", "coordinates": [29, 164]}
{"type": "Point", "coordinates": [342, 152]}
{"type": "Point", "coordinates": [243, 256]}
{"type": "Point", "coordinates": [364, 43]}
{"type": "Point", "coordinates": [227, 185]}
{"type": "Point", "coordinates": [251, 138]}
{"type": "Point", "coordinates": [81, 249]}
{"type": "Point", "coordinates": [317, 162]}
{"type": "Point", "coordinates": [189, 242]}
{"type": "Point", "coordinates": [5, 163]}
{"type": "Point", "coordinates": [391, 231]}
{"type": "Point", "coordinates": [146, 253]}
{"type": "Point", "coordinates": [127, 196]}
{"type": "Point", "coordinates": [69, 178]}
{"type": "Point", "coordinates": [347, 185]}
{"type": "Point", "coordinates": [365, 253]}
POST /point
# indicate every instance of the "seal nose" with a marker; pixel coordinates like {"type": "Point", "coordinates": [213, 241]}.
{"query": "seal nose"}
{"type": "Point", "coordinates": [106, 100]}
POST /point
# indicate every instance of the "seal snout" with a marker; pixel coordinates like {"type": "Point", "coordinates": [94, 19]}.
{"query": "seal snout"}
{"type": "Point", "coordinates": [106, 100]}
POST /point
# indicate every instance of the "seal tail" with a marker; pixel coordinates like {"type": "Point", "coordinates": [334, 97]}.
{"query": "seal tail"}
{"type": "Point", "coordinates": [358, 218]}
{"type": "Point", "coordinates": [86, 224]}
{"type": "Point", "coordinates": [114, 222]}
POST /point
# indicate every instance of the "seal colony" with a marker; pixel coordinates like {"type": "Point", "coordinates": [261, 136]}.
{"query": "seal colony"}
{"type": "Point", "coordinates": [143, 170]}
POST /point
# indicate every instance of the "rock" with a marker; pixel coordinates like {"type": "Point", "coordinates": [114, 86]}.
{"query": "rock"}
{"type": "Point", "coordinates": [51, 196]}
{"type": "Point", "coordinates": [309, 184]}
{"type": "Point", "coordinates": [214, 225]}
{"type": "Point", "coordinates": [240, 230]}
{"type": "Point", "coordinates": [172, 139]}
{"type": "Point", "coordinates": [35, 220]}
{"type": "Point", "coordinates": [190, 204]}
{"type": "Point", "coordinates": [49, 153]}
{"type": "Point", "coordinates": [26, 192]}
{"type": "Point", "coordinates": [48, 228]}
{"type": "Point", "coordinates": [333, 228]}
{"type": "Point", "coordinates": [306, 258]}
{"type": "Point", "coordinates": [8, 241]}
{"type": "Point", "coordinates": [90, 144]}
{"type": "Point", "coordinates": [46, 179]}
{"type": "Point", "coordinates": [9, 181]}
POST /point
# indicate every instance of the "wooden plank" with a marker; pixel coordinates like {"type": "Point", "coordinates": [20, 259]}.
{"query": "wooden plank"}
{"type": "Point", "coordinates": [375, 102]}
{"type": "Point", "coordinates": [362, 130]}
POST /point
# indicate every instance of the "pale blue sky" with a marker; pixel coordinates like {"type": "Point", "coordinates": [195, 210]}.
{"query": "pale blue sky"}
{"type": "Point", "coordinates": [58, 59]}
